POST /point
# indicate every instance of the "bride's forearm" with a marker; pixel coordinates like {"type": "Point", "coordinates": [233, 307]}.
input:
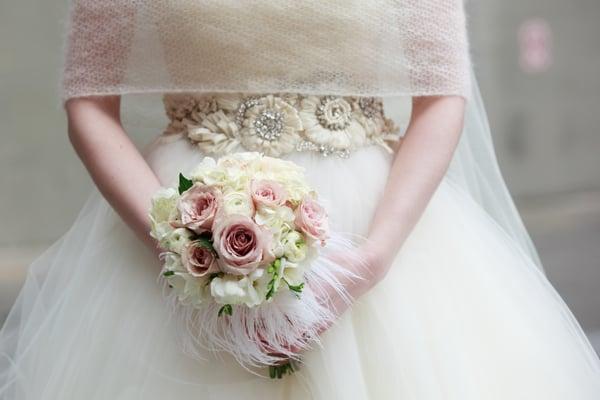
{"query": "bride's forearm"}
{"type": "Point", "coordinates": [113, 161]}
{"type": "Point", "coordinates": [418, 168]}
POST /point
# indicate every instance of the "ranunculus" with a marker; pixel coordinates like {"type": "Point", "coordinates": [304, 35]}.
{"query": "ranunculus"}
{"type": "Point", "coordinates": [198, 259]}
{"type": "Point", "coordinates": [311, 218]}
{"type": "Point", "coordinates": [163, 206]}
{"type": "Point", "coordinates": [238, 202]}
{"type": "Point", "coordinates": [177, 239]}
{"type": "Point", "coordinates": [267, 193]}
{"type": "Point", "coordinates": [241, 244]}
{"type": "Point", "coordinates": [198, 207]}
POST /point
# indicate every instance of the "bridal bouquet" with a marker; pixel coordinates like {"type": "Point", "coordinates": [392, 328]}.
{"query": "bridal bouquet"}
{"type": "Point", "coordinates": [242, 239]}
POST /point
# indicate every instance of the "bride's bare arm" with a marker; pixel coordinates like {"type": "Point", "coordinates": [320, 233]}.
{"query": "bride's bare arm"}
{"type": "Point", "coordinates": [418, 168]}
{"type": "Point", "coordinates": [115, 164]}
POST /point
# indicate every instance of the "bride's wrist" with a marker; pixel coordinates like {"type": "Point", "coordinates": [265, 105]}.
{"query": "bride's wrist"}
{"type": "Point", "coordinates": [378, 259]}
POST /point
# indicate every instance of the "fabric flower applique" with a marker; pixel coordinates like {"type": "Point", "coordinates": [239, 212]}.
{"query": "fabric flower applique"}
{"type": "Point", "coordinates": [270, 125]}
{"type": "Point", "coordinates": [216, 134]}
{"type": "Point", "coordinates": [184, 108]}
{"type": "Point", "coordinates": [368, 111]}
{"type": "Point", "coordinates": [329, 121]}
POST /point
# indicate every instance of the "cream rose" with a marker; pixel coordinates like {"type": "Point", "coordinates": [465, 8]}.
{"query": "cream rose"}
{"type": "Point", "coordinates": [311, 218]}
{"type": "Point", "coordinates": [198, 207]}
{"type": "Point", "coordinates": [241, 244]}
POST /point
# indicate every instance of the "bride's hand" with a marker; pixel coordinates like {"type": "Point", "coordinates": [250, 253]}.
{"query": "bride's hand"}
{"type": "Point", "coordinates": [363, 267]}
{"type": "Point", "coordinates": [366, 267]}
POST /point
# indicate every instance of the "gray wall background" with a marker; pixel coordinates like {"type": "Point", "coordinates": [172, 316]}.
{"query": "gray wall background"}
{"type": "Point", "coordinates": [545, 128]}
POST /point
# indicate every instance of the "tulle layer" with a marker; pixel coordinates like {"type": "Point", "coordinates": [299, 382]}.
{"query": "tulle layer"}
{"type": "Point", "coordinates": [463, 314]}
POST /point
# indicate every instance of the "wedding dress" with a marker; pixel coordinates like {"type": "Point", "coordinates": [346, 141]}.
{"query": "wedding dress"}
{"type": "Point", "coordinates": [465, 311]}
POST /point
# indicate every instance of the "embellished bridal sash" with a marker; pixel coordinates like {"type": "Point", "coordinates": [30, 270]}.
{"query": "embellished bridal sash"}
{"type": "Point", "coordinates": [278, 124]}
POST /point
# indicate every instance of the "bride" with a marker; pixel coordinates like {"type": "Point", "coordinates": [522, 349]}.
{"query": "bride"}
{"type": "Point", "coordinates": [455, 304]}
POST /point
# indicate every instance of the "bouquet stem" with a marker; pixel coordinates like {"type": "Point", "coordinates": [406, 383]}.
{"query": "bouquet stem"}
{"type": "Point", "coordinates": [278, 371]}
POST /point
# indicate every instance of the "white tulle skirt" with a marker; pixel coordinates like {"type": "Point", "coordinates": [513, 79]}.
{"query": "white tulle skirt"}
{"type": "Point", "coordinates": [463, 314]}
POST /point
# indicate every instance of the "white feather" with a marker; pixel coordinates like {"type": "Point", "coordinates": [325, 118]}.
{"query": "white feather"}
{"type": "Point", "coordinates": [285, 322]}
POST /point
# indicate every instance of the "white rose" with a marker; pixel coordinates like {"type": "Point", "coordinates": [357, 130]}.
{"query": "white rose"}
{"type": "Point", "coordinates": [294, 246]}
{"type": "Point", "coordinates": [238, 202]}
{"type": "Point", "coordinates": [233, 290]}
{"type": "Point", "coordinates": [176, 239]}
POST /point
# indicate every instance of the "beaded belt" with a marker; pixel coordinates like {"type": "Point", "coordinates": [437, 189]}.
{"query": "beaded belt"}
{"type": "Point", "coordinates": [278, 124]}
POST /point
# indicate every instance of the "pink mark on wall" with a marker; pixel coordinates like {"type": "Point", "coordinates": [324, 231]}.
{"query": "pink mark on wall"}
{"type": "Point", "coordinates": [535, 44]}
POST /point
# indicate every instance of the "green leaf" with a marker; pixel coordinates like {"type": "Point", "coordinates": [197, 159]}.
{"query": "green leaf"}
{"type": "Point", "coordinates": [184, 183]}
{"type": "Point", "coordinates": [227, 309]}
{"type": "Point", "coordinates": [168, 273]}
{"type": "Point", "coordinates": [274, 271]}
{"type": "Point", "coordinates": [205, 242]}
{"type": "Point", "coordinates": [274, 267]}
{"type": "Point", "coordinates": [271, 289]}
{"type": "Point", "coordinates": [213, 276]}
{"type": "Point", "coordinates": [295, 288]}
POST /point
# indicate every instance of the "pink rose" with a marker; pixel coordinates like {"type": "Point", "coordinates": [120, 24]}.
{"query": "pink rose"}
{"type": "Point", "coordinates": [198, 259]}
{"type": "Point", "coordinates": [311, 218]}
{"type": "Point", "coordinates": [267, 193]}
{"type": "Point", "coordinates": [242, 245]}
{"type": "Point", "coordinates": [198, 207]}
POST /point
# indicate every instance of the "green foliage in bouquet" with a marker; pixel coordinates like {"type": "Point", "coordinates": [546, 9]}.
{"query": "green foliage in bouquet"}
{"type": "Point", "coordinates": [184, 183]}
